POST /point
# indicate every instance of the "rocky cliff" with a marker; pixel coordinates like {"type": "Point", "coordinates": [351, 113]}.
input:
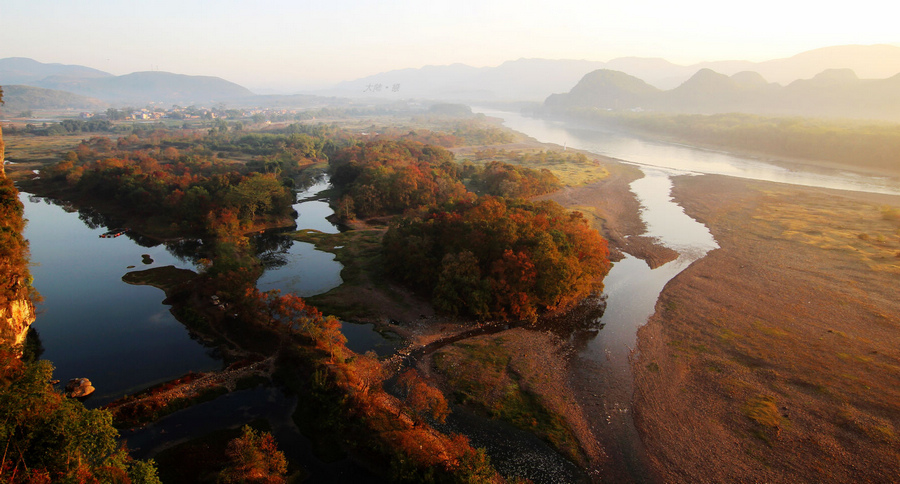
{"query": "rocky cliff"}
{"type": "Point", "coordinates": [15, 319]}
{"type": "Point", "coordinates": [16, 306]}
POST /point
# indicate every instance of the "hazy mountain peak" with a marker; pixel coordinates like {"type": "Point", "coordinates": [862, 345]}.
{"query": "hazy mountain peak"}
{"type": "Point", "coordinates": [837, 76]}
{"type": "Point", "coordinates": [705, 81]}
{"type": "Point", "coordinates": [606, 88]}
{"type": "Point", "coordinates": [22, 70]}
{"type": "Point", "coordinates": [749, 79]}
{"type": "Point", "coordinates": [618, 79]}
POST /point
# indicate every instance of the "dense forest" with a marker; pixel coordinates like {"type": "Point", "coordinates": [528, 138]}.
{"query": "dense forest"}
{"type": "Point", "coordinates": [498, 258]}
{"type": "Point", "coordinates": [872, 145]}
{"type": "Point", "coordinates": [484, 253]}
{"type": "Point", "coordinates": [186, 182]}
{"type": "Point", "coordinates": [390, 176]}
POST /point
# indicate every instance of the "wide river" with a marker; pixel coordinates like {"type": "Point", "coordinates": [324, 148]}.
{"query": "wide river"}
{"type": "Point", "coordinates": [632, 287]}
{"type": "Point", "coordinates": [123, 338]}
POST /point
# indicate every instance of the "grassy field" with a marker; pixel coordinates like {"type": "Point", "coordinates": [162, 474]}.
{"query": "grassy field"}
{"type": "Point", "coordinates": [571, 167]}
{"type": "Point", "coordinates": [26, 153]}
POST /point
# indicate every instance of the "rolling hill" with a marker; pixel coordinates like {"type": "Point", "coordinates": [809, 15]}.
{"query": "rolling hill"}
{"type": "Point", "coordinates": [135, 88]}
{"type": "Point", "coordinates": [21, 70]}
{"type": "Point", "coordinates": [18, 98]}
{"type": "Point", "coordinates": [831, 93]}
{"type": "Point", "coordinates": [535, 79]}
{"type": "Point", "coordinates": [151, 86]}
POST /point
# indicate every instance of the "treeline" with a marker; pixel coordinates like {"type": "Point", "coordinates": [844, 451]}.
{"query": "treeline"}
{"type": "Point", "coordinates": [193, 191]}
{"type": "Point", "coordinates": [349, 390]}
{"type": "Point", "coordinates": [469, 132]}
{"type": "Point", "coordinates": [64, 127]}
{"type": "Point", "coordinates": [390, 176]}
{"type": "Point", "coordinates": [505, 180]}
{"type": "Point", "coordinates": [853, 143]}
{"type": "Point", "coordinates": [345, 403]}
{"type": "Point", "coordinates": [495, 258]}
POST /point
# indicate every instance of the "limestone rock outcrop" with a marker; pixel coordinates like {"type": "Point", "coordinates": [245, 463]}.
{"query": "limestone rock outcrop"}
{"type": "Point", "coordinates": [79, 387]}
{"type": "Point", "coordinates": [15, 319]}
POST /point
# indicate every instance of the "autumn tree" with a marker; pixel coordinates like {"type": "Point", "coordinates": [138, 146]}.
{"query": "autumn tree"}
{"type": "Point", "coordinates": [391, 176]}
{"type": "Point", "coordinates": [253, 458]}
{"type": "Point", "coordinates": [421, 398]}
{"type": "Point", "coordinates": [498, 258]}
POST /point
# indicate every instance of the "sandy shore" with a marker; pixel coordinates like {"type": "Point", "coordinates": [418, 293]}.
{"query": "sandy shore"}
{"type": "Point", "coordinates": [776, 358]}
{"type": "Point", "coordinates": [614, 211]}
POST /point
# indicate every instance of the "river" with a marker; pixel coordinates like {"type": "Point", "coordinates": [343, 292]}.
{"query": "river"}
{"type": "Point", "coordinates": [122, 337]}
{"type": "Point", "coordinates": [632, 287]}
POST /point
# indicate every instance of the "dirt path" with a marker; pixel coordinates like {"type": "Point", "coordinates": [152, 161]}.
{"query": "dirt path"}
{"type": "Point", "coordinates": [227, 379]}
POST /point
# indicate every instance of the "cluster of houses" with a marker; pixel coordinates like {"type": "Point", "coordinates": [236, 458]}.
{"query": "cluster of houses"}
{"type": "Point", "coordinates": [177, 112]}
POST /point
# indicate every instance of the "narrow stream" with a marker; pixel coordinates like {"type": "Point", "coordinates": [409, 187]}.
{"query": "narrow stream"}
{"type": "Point", "coordinates": [631, 290]}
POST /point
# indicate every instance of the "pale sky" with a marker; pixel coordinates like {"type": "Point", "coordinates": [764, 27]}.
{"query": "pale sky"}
{"type": "Point", "coordinates": [288, 45]}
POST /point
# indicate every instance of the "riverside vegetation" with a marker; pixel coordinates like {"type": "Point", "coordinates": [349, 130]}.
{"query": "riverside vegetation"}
{"type": "Point", "coordinates": [46, 436]}
{"type": "Point", "coordinates": [224, 183]}
{"type": "Point", "coordinates": [860, 144]}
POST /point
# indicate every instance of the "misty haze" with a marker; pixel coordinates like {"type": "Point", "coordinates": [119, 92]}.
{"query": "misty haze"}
{"type": "Point", "coordinates": [445, 242]}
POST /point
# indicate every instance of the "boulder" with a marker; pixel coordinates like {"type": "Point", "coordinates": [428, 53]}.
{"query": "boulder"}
{"type": "Point", "coordinates": [79, 387]}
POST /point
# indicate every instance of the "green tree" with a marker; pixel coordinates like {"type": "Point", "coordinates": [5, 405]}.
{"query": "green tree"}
{"type": "Point", "coordinates": [50, 438]}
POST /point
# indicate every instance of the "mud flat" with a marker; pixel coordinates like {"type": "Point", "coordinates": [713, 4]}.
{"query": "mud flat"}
{"type": "Point", "coordinates": [776, 358]}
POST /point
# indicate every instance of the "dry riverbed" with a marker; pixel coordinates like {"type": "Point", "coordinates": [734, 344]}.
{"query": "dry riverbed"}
{"type": "Point", "coordinates": [775, 358]}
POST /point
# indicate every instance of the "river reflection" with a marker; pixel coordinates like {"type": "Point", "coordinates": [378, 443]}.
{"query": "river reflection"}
{"type": "Point", "coordinates": [298, 267]}
{"type": "Point", "coordinates": [91, 323]}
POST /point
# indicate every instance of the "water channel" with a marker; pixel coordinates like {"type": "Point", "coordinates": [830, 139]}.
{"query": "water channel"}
{"type": "Point", "coordinates": [123, 338]}
{"type": "Point", "coordinates": [120, 336]}
{"type": "Point", "coordinates": [632, 287]}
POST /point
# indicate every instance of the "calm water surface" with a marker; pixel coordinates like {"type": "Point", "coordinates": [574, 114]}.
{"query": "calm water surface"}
{"type": "Point", "coordinates": [94, 325]}
{"type": "Point", "coordinates": [301, 269]}
{"type": "Point", "coordinates": [122, 337]}
{"type": "Point", "coordinates": [681, 158]}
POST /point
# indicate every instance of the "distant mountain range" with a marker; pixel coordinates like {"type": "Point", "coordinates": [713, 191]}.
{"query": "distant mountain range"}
{"type": "Point", "coordinates": [136, 88]}
{"type": "Point", "coordinates": [535, 79]}
{"type": "Point", "coordinates": [710, 86]}
{"type": "Point", "coordinates": [21, 70]}
{"type": "Point", "coordinates": [833, 93]}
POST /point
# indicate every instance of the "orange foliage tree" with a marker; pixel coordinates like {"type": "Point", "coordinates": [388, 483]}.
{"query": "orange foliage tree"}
{"type": "Point", "coordinates": [253, 458]}
{"type": "Point", "coordinates": [497, 258]}
{"type": "Point", "coordinates": [390, 176]}
{"type": "Point", "coordinates": [421, 398]}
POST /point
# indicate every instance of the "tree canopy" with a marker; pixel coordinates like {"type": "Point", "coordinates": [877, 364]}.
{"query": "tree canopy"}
{"type": "Point", "coordinates": [498, 258]}
{"type": "Point", "coordinates": [50, 438]}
